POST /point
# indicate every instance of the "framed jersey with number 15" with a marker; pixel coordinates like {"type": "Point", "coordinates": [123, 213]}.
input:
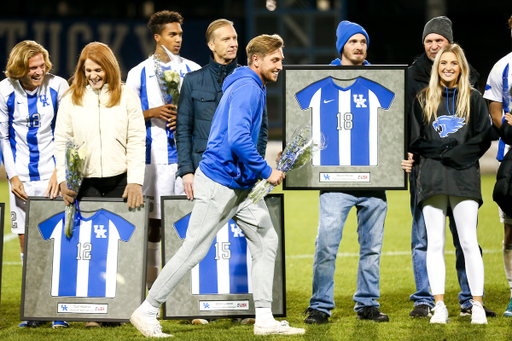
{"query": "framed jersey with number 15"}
{"type": "Point", "coordinates": [359, 113]}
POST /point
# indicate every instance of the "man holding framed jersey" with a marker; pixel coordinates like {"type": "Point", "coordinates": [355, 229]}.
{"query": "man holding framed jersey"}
{"type": "Point", "coordinates": [352, 43]}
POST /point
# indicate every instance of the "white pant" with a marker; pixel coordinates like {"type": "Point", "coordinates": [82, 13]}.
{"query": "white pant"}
{"type": "Point", "coordinates": [19, 207]}
{"type": "Point", "coordinates": [159, 181]}
{"type": "Point", "coordinates": [465, 213]}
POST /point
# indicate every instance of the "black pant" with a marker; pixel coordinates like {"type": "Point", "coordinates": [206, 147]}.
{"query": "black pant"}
{"type": "Point", "coordinates": [111, 187]}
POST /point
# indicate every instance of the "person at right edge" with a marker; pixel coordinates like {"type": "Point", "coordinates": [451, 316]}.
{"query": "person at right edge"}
{"type": "Point", "coordinates": [436, 34]}
{"type": "Point", "coordinates": [352, 42]}
{"type": "Point", "coordinates": [497, 91]}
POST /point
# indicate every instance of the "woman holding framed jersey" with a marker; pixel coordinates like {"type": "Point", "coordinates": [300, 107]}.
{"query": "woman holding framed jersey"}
{"type": "Point", "coordinates": [105, 115]}
{"type": "Point", "coordinates": [450, 129]}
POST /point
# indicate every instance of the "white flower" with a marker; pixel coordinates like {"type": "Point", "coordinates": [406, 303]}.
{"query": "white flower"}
{"type": "Point", "coordinates": [168, 75]}
{"type": "Point", "coordinates": [82, 152]}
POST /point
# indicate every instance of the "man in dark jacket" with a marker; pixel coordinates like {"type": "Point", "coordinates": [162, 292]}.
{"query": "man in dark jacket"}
{"type": "Point", "coordinates": [436, 34]}
{"type": "Point", "coordinates": [200, 95]}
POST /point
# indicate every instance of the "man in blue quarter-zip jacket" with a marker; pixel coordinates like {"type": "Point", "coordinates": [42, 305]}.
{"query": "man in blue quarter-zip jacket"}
{"type": "Point", "coordinates": [230, 167]}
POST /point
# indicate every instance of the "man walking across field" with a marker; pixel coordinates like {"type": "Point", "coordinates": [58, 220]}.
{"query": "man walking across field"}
{"type": "Point", "coordinates": [352, 44]}
{"type": "Point", "coordinates": [230, 167]}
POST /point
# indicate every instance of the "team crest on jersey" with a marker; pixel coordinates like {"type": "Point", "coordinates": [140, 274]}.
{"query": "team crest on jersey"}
{"type": "Point", "coordinates": [44, 100]}
{"type": "Point", "coordinates": [446, 125]}
{"type": "Point", "coordinates": [359, 100]}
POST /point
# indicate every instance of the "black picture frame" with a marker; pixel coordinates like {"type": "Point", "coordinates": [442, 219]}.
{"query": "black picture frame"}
{"type": "Point", "coordinates": [387, 127]}
{"type": "Point", "coordinates": [182, 304]}
{"type": "Point", "coordinates": [37, 302]}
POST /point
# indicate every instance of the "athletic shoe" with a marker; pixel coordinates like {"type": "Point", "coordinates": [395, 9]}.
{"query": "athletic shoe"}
{"type": "Point", "coordinates": [421, 310]}
{"type": "Point", "coordinates": [280, 327]}
{"type": "Point", "coordinates": [148, 329]}
{"type": "Point", "coordinates": [199, 321]}
{"type": "Point", "coordinates": [60, 324]}
{"type": "Point", "coordinates": [478, 313]}
{"type": "Point", "coordinates": [508, 312]}
{"type": "Point", "coordinates": [315, 316]}
{"type": "Point", "coordinates": [31, 324]}
{"type": "Point", "coordinates": [467, 312]}
{"type": "Point", "coordinates": [372, 313]}
{"type": "Point", "coordinates": [440, 313]}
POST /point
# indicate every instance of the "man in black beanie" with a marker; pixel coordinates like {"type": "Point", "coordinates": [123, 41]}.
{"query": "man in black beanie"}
{"type": "Point", "coordinates": [436, 34]}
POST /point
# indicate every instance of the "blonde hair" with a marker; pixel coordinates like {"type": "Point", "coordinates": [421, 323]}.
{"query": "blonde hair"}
{"type": "Point", "coordinates": [102, 55]}
{"type": "Point", "coordinates": [430, 97]}
{"type": "Point", "coordinates": [17, 65]}
{"type": "Point", "coordinates": [214, 26]}
{"type": "Point", "coordinates": [263, 45]}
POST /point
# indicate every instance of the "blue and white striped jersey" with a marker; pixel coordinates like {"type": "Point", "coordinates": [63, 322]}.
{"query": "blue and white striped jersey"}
{"type": "Point", "coordinates": [27, 123]}
{"type": "Point", "coordinates": [160, 148]}
{"type": "Point", "coordinates": [498, 89]}
{"type": "Point", "coordinates": [348, 118]}
{"type": "Point", "coordinates": [226, 269]}
{"type": "Point", "coordinates": [86, 264]}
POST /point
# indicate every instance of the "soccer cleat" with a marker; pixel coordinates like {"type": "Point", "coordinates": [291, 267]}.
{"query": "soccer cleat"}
{"type": "Point", "coordinates": [440, 313]}
{"type": "Point", "coordinates": [508, 312]}
{"type": "Point", "coordinates": [478, 313]}
{"type": "Point", "coordinates": [468, 312]}
{"type": "Point", "coordinates": [280, 327]}
{"type": "Point", "coordinates": [315, 316]}
{"type": "Point", "coordinates": [421, 310]}
{"type": "Point", "coordinates": [372, 313]}
{"type": "Point", "coordinates": [31, 324]}
{"type": "Point", "coordinates": [60, 324]}
{"type": "Point", "coordinates": [148, 329]}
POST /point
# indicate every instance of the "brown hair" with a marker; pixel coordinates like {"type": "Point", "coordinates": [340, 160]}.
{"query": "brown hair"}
{"type": "Point", "coordinates": [17, 65]}
{"type": "Point", "coordinates": [263, 45]}
{"type": "Point", "coordinates": [510, 22]}
{"type": "Point", "coordinates": [158, 20]}
{"type": "Point", "coordinates": [102, 55]}
{"type": "Point", "coordinates": [214, 26]}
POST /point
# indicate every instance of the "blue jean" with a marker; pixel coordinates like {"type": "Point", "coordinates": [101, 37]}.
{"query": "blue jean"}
{"type": "Point", "coordinates": [419, 255]}
{"type": "Point", "coordinates": [334, 209]}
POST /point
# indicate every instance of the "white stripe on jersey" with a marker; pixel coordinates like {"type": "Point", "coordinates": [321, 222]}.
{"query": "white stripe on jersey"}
{"type": "Point", "coordinates": [111, 275]}
{"type": "Point", "coordinates": [57, 239]}
{"type": "Point", "coordinates": [82, 271]}
{"type": "Point", "coordinates": [222, 263]}
{"type": "Point", "coordinates": [374, 128]}
{"type": "Point", "coordinates": [345, 135]}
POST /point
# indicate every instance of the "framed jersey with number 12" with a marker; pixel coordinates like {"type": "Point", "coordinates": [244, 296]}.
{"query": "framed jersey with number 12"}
{"type": "Point", "coordinates": [359, 112]}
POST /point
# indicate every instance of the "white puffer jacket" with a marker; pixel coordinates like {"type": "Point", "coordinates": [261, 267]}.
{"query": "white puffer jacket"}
{"type": "Point", "coordinates": [115, 138]}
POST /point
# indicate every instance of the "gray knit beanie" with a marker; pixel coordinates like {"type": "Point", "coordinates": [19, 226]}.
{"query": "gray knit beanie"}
{"type": "Point", "coordinates": [439, 25]}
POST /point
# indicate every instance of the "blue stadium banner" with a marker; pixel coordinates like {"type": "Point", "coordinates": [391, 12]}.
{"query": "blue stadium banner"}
{"type": "Point", "coordinates": [130, 40]}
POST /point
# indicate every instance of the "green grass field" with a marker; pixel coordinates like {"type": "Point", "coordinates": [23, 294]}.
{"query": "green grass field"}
{"type": "Point", "coordinates": [301, 218]}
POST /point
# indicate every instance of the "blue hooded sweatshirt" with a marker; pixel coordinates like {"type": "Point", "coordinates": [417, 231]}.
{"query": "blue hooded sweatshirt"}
{"type": "Point", "coordinates": [231, 157]}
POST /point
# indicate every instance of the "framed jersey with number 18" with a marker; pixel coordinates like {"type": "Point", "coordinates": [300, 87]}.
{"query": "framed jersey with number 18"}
{"type": "Point", "coordinates": [359, 112]}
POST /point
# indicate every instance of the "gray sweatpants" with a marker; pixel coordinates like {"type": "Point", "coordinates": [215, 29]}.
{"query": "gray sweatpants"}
{"type": "Point", "coordinates": [214, 206]}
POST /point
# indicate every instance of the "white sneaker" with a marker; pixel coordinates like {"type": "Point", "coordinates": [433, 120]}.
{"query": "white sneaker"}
{"type": "Point", "coordinates": [149, 329]}
{"type": "Point", "coordinates": [280, 327]}
{"type": "Point", "coordinates": [440, 313]}
{"type": "Point", "coordinates": [478, 313]}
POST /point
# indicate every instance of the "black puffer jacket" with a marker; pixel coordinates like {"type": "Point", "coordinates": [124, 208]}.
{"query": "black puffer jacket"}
{"type": "Point", "coordinates": [200, 95]}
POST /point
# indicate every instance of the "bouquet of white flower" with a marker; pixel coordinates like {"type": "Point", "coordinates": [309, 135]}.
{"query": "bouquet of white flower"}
{"type": "Point", "coordinates": [75, 166]}
{"type": "Point", "coordinates": [298, 151]}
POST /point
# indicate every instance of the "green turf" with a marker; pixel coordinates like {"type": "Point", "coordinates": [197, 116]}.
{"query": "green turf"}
{"type": "Point", "coordinates": [301, 218]}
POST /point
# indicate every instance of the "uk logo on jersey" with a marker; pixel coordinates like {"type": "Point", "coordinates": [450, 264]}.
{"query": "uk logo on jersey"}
{"type": "Point", "coordinates": [359, 100]}
{"type": "Point", "coordinates": [226, 268]}
{"type": "Point", "coordinates": [44, 100]}
{"type": "Point", "coordinates": [446, 125]}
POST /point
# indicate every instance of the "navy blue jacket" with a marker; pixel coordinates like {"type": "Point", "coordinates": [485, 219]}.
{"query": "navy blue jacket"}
{"type": "Point", "coordinates": [199, 97]}
{"type": "Point", "coordinates": [231, 158]}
